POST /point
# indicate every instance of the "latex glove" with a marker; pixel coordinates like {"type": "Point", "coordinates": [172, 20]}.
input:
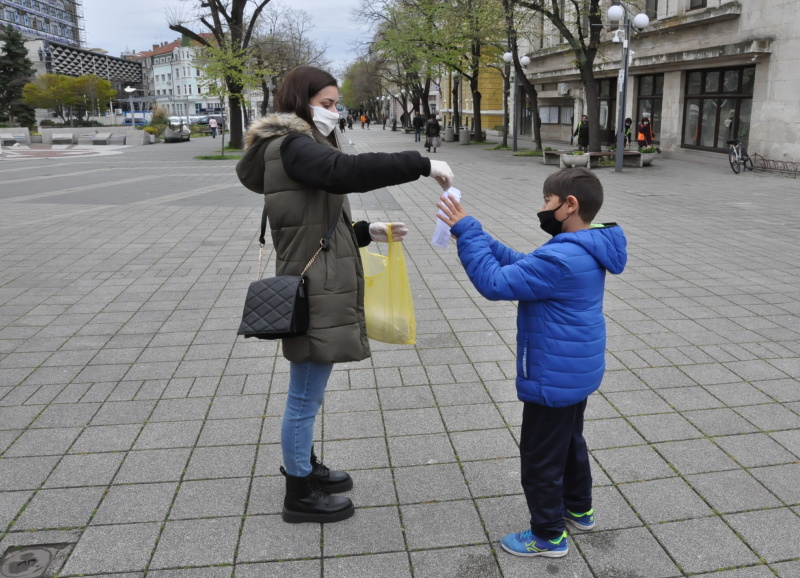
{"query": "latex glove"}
{"type": "Point", "coordinates": [380, 231]}
{"type": "Point", "coordinates": [443, 174]}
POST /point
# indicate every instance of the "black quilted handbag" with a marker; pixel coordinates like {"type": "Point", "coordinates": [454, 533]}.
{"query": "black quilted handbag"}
{"type": "Point", "coordinates": [277, 307]}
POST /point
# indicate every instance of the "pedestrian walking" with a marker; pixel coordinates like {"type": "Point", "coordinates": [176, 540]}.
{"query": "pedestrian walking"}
{"type": "Point", "coordinates": [368, 121]}
{"type": "Point", "coordinates": [342, 124]}
{"type": "Point", "coordinates": [432, 131]}
{"type": "Point", "coordinates": [383, 119]}
{"type": "Point", "coordinates": [363, 121]}
{"type": "Point", "coordinates": [349, 122]}
{"type": "Point", "coordinates": [292, 158]}
{"type": "Point", "coordinates": [418, 123]}
{"type": "Point", "coordinates": [582, 132]}
{"type": "Point", "coordinates": [212, 124]}
{"type": "Point", "coordinates": [627, 134]}
{"type": "Point", "coordinates": [561, 342]}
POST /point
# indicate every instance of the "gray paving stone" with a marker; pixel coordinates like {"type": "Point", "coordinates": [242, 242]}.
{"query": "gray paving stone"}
{"type": "Point", "coordinates": [413, 421]}
{"type": "Point", "coordinates": [43, 442]}
{"type": "Point", "coordinates": [210, 498]}
{"type": "Point", "coordinates": [107, 549]}
{"type": "Point", "coordinates": [352, 425]}
{"type": "Point", "coordinates": [484, 444]}
{"type": "Point", "coordinates": [786, 569]}
{"type": "Point", "coordinates": [696, 456]}
{"type": "Point", "coordinates": [664, 377]}
{"type": "Point", "coordinates": [351, 400]}
{"type": "Point", "coordinates": [180, 434]}
{"type": "Point", "coordinates": [221, 462]}
{"type": "Point", "coordinates": [355, 454]}
{"type": "Point", "coordinates": [223, 432]}
{"type": "Point", "coordinates": [128, 504]}
{"type": "Point", "coordinates": [771, 533]}
{"type": "Point", "coordinates": [466, 562]}
{"type": "Point", "coordinates": [664, 427]}
{"type": "Point", "coordinates": [85, 470]}
{"type": "Point", "coordinates": [715, 422]}
{"type": "Point", "coordinates": [238, 406]}
{"type": "Point", "coordinates": [780, 480]}
{"type": "Point", "coordinates": [389, 565]}
{"type": "Point", "coordinates": [732, 491]}
{"type": "Point", "coordinates": [610, 433]}
{"type": "Point", "coordinates": [425, 484]}
{"type": "Point", "coordinates": [471, 417]}
{"type": "Point", "coordinates": [268, 538]}
{"type": "Point", "coordinates": [10, 505]}
{"type": "Point", "coordinates": [66, 415]}
{"type": "Point", "coordinates": [123, 412]}
{"type": "Point", "coordinates": [25, 473]}
{"type": "Point", "coordinates": [59, 508]}
{"type": "Point", "coordinates": [213, 572]}
{"type": "Point", "coordinates": [181, 409]}
{"type": "Point", "coordinates": [493, 477]}
{"type": "Point", "coordinates": [754, 450]}
{"type": "Point", "coordinates": [370, 530]}
{"type": "Point", "coordinates": [416, 450]}
{"type": "Point", "coordinates": [689, 398]}
{"type": "Point", "coordinates": [197, 543]}
{"type": "Point", "coordinates": [407, 397]}
{"type": "Point", "coordinates": [665, 500]}
{"type": "Point", "coordinates": [632, 464]}
{"type": "Point", "coordinates": [299, 569]}
{"type": "Point", "coordinates": [443, 524]}
{"type": "Point", "coordinates": [152, 466]}
{"type": "Point", "coordinates": [621, 553]}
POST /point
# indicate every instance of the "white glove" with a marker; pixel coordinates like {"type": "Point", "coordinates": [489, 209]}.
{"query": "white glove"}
{"type": "Point", "coordinates": [443, 174]}
{"type": "Point", "coordinates": [380, 231]}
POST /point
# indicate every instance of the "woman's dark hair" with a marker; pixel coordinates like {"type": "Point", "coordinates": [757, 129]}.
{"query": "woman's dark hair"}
{"type": "Point", "coordinates": [297, 88]}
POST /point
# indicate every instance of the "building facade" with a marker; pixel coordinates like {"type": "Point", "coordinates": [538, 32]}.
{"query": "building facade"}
{"type": "Point", "coordinates": [57, 20]}
{"type": "Point", "coordinates": [703, 71]}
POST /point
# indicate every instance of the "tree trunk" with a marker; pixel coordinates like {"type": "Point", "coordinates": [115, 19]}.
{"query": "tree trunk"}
{"type": "Point", "coordinates": [592, 108]}
{"type": "Point", "coordinates": [506, 92]}
{"type": "Point", "coordinates": [235, 116]}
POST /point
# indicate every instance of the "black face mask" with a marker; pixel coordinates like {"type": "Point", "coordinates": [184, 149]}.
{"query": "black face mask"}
{"type": "Point", "coordinates": [548, 221]}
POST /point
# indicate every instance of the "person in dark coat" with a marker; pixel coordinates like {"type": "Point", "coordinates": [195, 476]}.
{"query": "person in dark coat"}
{"type": "Point", "coordinates": [582, 132]}
{"type": "Point", "coordinates": [644, 133]}
{"type": "Point", "coordinates": [418, 124]}
{"type": "Point", "coordinates": [432, 131]}
{"type": "Point", "coordinates": [292, 158]}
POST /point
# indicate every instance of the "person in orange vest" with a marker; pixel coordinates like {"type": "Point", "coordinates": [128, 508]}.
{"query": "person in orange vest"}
{"type": "Point", "coordinates": [363, 121]}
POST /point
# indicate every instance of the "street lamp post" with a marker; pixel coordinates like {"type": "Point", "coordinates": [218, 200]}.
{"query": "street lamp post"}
{"type": "Point", "coordinates": [524, 62]}
{"type": "Point", "coordinates": [130, 90]}
{"type": "Point", "coordinates": [618, 12]}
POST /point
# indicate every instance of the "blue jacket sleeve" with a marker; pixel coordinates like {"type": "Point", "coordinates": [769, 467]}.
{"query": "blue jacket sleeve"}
{"type": "Point", "coordinates": [528, 278]}
{"type": "Point", "coordinates": [321, 166]}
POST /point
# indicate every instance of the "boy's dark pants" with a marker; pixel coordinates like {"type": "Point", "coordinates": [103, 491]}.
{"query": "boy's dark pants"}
{"type": "Point", "coordinates": [555, 465]}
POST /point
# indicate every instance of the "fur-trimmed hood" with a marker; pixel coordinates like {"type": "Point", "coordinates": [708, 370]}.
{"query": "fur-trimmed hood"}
{"type": "Point", "coordinates": [277, 124]}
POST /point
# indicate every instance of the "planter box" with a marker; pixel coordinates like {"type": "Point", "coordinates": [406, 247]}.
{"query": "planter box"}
{"type": "Point", "coordinates": [647, 158]}
{"type": "Point", "coordinates": [570, 161]}
{"type": "Point", "coordinates": [36, 138]}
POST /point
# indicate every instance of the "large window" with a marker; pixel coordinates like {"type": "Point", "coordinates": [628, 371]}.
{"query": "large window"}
{"type": "Point", "coordinates": [694, 4]}
{"type": "Point", "coordinates": [651, 94]}
{"type": "Point", "coordinates": [607, 109]}
{"type": "Point", "coordinates": [651, 9]}
{"type": "Point", "coordinates": [717, 107]}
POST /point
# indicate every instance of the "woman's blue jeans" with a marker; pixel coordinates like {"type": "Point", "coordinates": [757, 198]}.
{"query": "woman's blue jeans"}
{"type": "Point", "coordinates": [307, 382]}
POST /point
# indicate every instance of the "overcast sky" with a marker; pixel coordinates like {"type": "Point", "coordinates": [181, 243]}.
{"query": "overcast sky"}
{"type": "Point", "coordinates": [119, 26]}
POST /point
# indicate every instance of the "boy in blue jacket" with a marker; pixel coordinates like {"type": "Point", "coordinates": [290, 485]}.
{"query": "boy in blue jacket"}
{"type": "Point", "coordinates": [561, 342]}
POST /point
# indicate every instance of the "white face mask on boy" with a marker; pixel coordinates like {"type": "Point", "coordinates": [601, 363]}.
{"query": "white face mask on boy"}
{"type": "Point", "coordinates": [325, 120]}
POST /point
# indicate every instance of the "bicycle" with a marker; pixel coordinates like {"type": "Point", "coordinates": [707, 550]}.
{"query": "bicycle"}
{"type": "Point", "coordinates": [738, 157]}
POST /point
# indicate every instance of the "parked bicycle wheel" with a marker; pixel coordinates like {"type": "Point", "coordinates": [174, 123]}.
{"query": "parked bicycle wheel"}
{"type": "Point", "coordinates": [748, 163]}
{"type": "Point", "coordinates": [734, 159]}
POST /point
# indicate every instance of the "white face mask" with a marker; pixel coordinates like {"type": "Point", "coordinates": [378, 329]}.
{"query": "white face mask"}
{"type": "Point", "coordinates": [325, 120]}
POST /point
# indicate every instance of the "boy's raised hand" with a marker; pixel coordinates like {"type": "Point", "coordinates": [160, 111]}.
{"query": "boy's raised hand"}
{"type": "Point", "coordinates": [452, 209]}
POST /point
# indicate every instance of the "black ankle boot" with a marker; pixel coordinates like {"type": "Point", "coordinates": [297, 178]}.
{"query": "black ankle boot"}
{"type": "Point", "coordinates": [330, 481]}
{"type": "Point", "coordinates": [305, 501]}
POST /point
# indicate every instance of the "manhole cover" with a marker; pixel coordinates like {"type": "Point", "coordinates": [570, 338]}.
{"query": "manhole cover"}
{"type": "Point", "coordinates": [30, 561]}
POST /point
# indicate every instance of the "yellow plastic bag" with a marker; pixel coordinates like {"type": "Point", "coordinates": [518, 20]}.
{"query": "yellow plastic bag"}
{"type": "Point", "coordinates": [388, 303]}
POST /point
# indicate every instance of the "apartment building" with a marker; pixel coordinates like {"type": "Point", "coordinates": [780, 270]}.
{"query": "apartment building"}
{"type": "Point", "coordinates": [57, 20]}
{"type": "Point", "coordinates": [704, 71]}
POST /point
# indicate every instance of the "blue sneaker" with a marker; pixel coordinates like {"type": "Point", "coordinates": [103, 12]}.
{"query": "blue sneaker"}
{"type": "Point", "coordinates": [526, 544]}
{"type": "Point", "coordinates": [583, 521]}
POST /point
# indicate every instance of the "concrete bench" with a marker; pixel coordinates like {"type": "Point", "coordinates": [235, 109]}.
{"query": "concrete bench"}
{"type": "Point", "coordinates": [8, 138]}
{"type": "Point", "coordinates": [101, 138]}
{"type": "Point", "coordinates": [117, 139]}
{"type": "Point", "coordinates": [62, 138]}
{"type": "Point", "coordinates": [629, 158]}
{"type": "Point", "coordinates": [86, 138]}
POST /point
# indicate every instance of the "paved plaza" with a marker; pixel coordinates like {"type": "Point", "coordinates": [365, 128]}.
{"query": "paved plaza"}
{"type": "Point", "coordinates": [140, 437]}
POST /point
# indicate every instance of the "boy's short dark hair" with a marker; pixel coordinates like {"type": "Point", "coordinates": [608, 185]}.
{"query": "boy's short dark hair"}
{"type": "Point", "coordinates": [582, 184]}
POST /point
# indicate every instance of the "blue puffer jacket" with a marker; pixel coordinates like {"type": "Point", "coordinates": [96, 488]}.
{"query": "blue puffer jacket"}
{"type": "Point", "coordinates": [561, 331]}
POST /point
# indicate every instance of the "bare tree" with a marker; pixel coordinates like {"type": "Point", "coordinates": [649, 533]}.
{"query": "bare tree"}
{"type": "Point", "coordinates": [581, 26]}
{"type": "Point", "coordinates": [231, 26]}
{"type": "Point", "coordinates": [282, 42]}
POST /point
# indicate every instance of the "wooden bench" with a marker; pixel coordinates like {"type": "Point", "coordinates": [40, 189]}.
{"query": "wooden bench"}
{"type": "Point", "coordinates": [204, 129]}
